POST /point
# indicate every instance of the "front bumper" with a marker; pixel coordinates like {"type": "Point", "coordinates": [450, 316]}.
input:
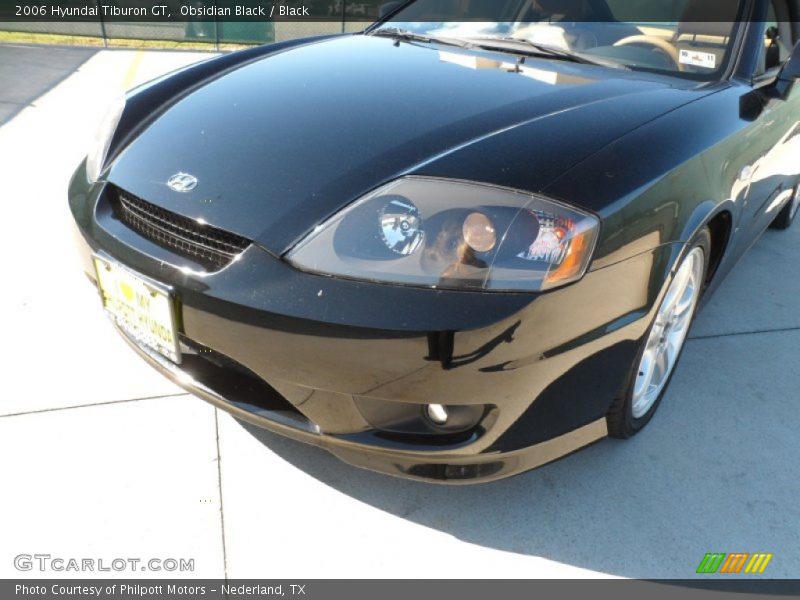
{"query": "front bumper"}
{"type": "Point", "coordinates": [427, 466]}
{"type": "Point", "coordinates": [350, 366]}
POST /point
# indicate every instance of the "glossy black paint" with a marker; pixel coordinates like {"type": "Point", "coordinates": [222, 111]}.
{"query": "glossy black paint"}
{"type": "Point", "coordinates": [284, 136]}
{"type": "Point", "coordinates": [347, 116]}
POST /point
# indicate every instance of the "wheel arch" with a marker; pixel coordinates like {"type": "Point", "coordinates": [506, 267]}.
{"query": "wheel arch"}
{"type": "Point", "coordinates": [719, 220]}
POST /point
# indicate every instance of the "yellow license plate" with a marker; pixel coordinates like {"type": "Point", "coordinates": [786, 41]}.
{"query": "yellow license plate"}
{"type": "Point", "coordinates": [142, 309]}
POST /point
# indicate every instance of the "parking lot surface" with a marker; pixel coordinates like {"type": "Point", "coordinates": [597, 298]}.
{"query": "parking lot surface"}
{"type": "Point", "coordinates": [103, 458]}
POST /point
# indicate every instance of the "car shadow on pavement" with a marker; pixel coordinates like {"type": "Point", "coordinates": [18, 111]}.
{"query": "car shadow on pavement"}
{"type": "Point", "coordinates": [715, 471]}
{"type": "Point", "coordinates": [28, 72]}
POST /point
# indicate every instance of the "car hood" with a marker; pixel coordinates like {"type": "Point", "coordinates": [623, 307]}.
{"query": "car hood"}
{"type": "Point", "coordinates": [282, 143]}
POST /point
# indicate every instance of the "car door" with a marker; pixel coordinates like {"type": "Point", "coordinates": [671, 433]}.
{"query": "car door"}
{"type": "Point", "coordinates": [773, 140]}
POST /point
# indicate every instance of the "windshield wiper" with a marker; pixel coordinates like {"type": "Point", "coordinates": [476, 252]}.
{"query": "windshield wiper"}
{"type": "Point", "coordinates": [405, 35]}
{"type": "Point", "coordinates": [503, 44]}
{"type": "Point", "coordinates": [517, 45]}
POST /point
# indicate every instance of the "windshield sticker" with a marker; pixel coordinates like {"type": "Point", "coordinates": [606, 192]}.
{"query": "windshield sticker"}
{"type": "Point", "coordinates": [706, 60]}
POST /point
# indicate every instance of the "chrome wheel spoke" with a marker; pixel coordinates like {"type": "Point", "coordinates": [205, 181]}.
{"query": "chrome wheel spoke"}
{"type": "Point", "coordinates": [645, 373]}
{"type": "Point", "coordinates": [676, 290]}
{"type": "Point", "coordinates": [671, 351]}
{"type": "Point", "coordinates": [678, 330]}
{"type": "Point", "coordinates": [685, 303]}
{"type": "Point", "coordinates": [661, 367]}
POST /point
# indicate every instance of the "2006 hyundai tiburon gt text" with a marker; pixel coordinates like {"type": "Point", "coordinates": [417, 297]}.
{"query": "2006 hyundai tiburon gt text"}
{"type": "Point", "coordinates": [450, 248]}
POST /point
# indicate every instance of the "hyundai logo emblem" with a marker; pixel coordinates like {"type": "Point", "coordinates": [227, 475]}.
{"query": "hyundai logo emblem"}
{"type": "Point", "coordinates": [182, 182]}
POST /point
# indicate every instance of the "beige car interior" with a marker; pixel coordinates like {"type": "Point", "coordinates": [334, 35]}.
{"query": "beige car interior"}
{"type": "Point", "coordinates": [692, 37]}
{"type": "Point", "coordinates": [690, 45]}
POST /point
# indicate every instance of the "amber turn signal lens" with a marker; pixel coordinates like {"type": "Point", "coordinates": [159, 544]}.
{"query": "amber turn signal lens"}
{"type": "Point", "coordinates": [573, 262]}
{"type": "Point", "coordinates": [479, 232]}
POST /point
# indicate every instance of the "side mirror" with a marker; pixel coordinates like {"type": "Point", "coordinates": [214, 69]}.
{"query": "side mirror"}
{"type": "Point", "coordinates": [387, 8]}
{"type": "Point", "coordinates": [791, 70]}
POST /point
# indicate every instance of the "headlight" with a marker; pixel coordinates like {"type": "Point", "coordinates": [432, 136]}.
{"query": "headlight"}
{"type": "Point", "coordinates": [451, 234]}
{"type": "Point", "coordinates": [102, 139]}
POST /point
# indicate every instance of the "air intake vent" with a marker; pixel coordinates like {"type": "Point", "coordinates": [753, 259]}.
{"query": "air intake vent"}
{"type": "Point", "coordinates": [208, 246]}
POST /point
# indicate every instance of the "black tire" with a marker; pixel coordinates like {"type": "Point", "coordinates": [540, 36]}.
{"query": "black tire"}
{"type": "Point", "coordinates": [621, 421]}
{"type": "Point", "coordinates": [786, 216]}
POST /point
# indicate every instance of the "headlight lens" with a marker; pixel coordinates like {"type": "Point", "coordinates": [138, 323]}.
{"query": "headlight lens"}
{"type": "Point", "coordinates": [452, 234]}
{"type": "Point", "coordinates": [102, 139]}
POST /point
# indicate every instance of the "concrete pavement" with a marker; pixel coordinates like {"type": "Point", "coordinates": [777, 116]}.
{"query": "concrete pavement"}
{"type": "Point", "coordinates": [103, 458]}
{"type": "Point", "coordinates": [27, 74]}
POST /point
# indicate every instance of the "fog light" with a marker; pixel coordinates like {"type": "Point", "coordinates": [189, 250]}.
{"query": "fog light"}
{"type": "Point", "coordinates": [437, 413]}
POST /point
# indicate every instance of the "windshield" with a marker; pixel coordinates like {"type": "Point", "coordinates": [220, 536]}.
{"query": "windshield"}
{"type": "Point", "coordinates": [687, 38]}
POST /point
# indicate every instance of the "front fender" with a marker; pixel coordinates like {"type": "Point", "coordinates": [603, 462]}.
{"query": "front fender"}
{"type": "Point", "coordinates": [660, 183]}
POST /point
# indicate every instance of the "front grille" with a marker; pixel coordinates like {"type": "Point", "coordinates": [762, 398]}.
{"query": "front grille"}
{"type": "Point", "coordinates": [208, 246]}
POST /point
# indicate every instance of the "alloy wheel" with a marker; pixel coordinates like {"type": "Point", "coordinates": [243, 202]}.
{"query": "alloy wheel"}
{"type": "Point", "coordinates": [668, 333]}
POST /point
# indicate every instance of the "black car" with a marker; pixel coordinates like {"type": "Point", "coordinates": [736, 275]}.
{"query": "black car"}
{"type": "Point", "coordinates": [455, 246]}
